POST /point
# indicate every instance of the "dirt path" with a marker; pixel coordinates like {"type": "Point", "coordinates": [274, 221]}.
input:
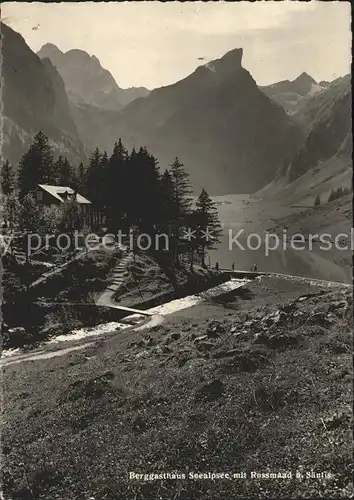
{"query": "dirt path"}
{"type": "Point", "coordinates": [41, 355]}
{"type": "Point", "coordinates": [156, 317]}
{"type": "Point", "coordinates": [106, 298]}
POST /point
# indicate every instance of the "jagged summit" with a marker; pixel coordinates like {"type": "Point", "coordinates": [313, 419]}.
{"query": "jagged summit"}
{"type": "Point", "coordinates": [34, 98]}
{"type": "Point", "coordinates": [86, 81]}
{"type": "Point", "coordinates": [50, 46]}
{"type": "Point", "coordinates": [52, 52]}
{"type": "Point", "coordinates": [289, 94]}
{"type": "Point", "coordinates": [229, 62]}
{"type": "Point", "coordinates": [233, 56]}
{"type": "Point", "coordinates": [305, 78]}
{"type": "Point", "coordinates": [81, 56]}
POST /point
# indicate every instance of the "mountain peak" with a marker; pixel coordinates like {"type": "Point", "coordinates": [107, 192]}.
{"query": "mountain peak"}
{"type": "Point", "coordinates": [228, 63]}
{"type": "Point", "coordinates": [233, 58]}
{"type": "Point", "coordinates": [78, 54]}
{"type": "Point", "coordinates": [86, 81]}
{"type": "Point", "coordinates": [305, 78]}
{"type": "Point", "coordinates": [234, 55]}
{"type": "Point", "coordinates": [49, 48]}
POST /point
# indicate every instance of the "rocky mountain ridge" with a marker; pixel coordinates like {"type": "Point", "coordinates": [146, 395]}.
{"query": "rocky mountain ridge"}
{"type": "Point", "coordinates": [229, 135]}
{"type": "Point", "coordinates": [34, 98]}
{"type": "Point", "coordinates": [86, 81]}
{"type": "Point", "coordinates": [291, 94]}
{"type": "Point", "coordinates": [232, 136]}
{"type": "Point", "coordinates": [323, 162]}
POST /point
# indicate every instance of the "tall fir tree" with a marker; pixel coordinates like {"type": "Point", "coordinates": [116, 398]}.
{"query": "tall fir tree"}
{"type": "Point", "coordinates": [93, 174]}
{"type": "Point", "coordinates": [79, 181]}
{"type": "Point", "coordinates": [181, 204]}
{"type": "Point", "coordinates": [94, 184]}
{"type": "Point", "coordinates": [57, 168]}
{"type": "Point", "coordinates": [117, 186]}
{"type": "Point", "coordinates": [146, 191]}
{"type": "Point", "coordinates": [37, 165]}
{"type": "Point", "coordinates": [102, 183]}
{"type": "Point", "coordinates": [142, 190]}
{"type": "Point", "coordinates": [166, 199]}
{"type": "Point", "coordinates": [66, 173]}
{"type": "Point", "coordinates": [208, 227]}
{"type": "Point", "coordinates": [181, 189]}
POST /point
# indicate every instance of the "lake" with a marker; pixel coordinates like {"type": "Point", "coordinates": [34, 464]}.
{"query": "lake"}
{"type": "Point", "coordinates": [238, 212]}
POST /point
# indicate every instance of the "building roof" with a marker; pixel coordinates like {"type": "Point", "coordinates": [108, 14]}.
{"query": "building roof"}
{"type": "Point", "coordinates": [59, 191]}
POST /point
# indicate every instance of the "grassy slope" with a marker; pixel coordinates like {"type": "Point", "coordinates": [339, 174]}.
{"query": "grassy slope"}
{"type": "Point", "coordinates": [333, 173]}
{"type": "Point", "coordinates": [250, 397]}
{"type": "Point", "coordinates": [150, 277]}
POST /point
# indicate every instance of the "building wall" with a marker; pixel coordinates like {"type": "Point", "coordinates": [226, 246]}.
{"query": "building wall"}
{"type": "Point", "coordinates": [43, 198]}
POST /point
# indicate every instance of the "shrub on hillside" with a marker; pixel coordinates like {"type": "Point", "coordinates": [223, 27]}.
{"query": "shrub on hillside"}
{"type": "Point", "coordinates": [317, 201]}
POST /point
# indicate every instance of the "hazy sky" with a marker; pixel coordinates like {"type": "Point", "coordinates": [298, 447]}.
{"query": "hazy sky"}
{"type": "Point", "coordinates": [153, 44]}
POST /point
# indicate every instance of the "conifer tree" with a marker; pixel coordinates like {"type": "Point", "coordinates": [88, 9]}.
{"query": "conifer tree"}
{"type": "Point", "coordinates": [79, 181]}
{"type": "Point", "coordinates": [37, 165]}
{"type": "Point", "coordinates": [66, 173]}
{"type": "Point", "coordinates": [93, 173]}
{"type": "Point", "coordinates": [104, 160]}
{"type": "Point", "coordinates": [166, 199]}
{"type": "Point", "coordinates": [94, 188]}
{"type": "Point", "coordinates": [57, 168]}
{"type": "Point", "coordinates": [317, 201]}
{"type": "Point", "coordinates": [208, 224]}
{"type": "Point", "coordinates": [181, 203]}
{"type": "Point", "coordinates": [8, 178]}
{"type": "Point", "coordinates": [119, 151]}
{"type": "Point", "coordinates": [117, 186]}
{"type": "Point", "coordinates": [148, 191]}
{"type": "Point", "coordinates": [181, 189]}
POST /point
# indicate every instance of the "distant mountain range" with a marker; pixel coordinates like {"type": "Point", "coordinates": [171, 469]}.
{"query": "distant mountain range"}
{"type": "Point", "coordinates": [86, 81]}
{"type": "Point", "coordinates": [324, 160]}
{"type": "Point", "coordinates": [327, 117]}
{"type": "Point", "coordinates": [290, 94]}
{"type": "Point", "coordinates": [232, 136]}
{"type": "Point", "coordinates": [34, 98]}
{"type": "Point", "coordinates": [228, 133]}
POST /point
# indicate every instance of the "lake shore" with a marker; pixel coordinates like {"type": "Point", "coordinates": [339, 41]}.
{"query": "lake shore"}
{"type": "Point", "coordinates": [258, 217]}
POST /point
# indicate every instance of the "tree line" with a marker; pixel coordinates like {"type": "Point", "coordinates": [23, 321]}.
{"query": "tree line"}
{"type": "Point", "coordinates": [335, 194]}
{"type": "Point", "coordinates": [128, 188]}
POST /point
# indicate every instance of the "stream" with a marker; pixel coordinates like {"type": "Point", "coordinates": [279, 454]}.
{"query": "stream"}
{"type": "Point", "coordinates": [12, 356]}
